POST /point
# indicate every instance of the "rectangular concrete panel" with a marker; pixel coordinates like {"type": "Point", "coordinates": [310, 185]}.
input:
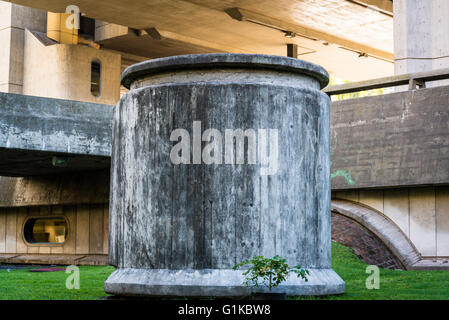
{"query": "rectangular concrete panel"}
{"type": "Point", "coordinates": [442, 220]}
{"type": "Point", "coordinates": [422, 220]}
{"type": "Point", "coordinates": [57, 250]}
{"type": "Point", "coordinates": [25, 17]}
{"type": "Point", "coordinates": [96, 229]}
{"type": "Point", "coordinates": [397, 139]}
{"type": "Point", "coordinates": [70, 243]}
{"type": "Point", "coordinates": [11, 232]}
{"type": "Point", "coordinates": [372, 198]}
{"type": "Point", "coordinates": [82, 227]}
{"type": "Point", "coordinates": [2, 230]}
{"type": "Point", "coordinates": [44, 211]}
{"type": "Point", "coordinates": [105, 227]}
{"type": "Point", "coordinates": [33, 249]}
{"type": "Point", "coordinates": [16, 58]}
{"type": "Point", "coordinates": [22, 213]}
{"type": "Point", "coordinates": [348, 195]}
{"type": "Point", "coordinates": [5, 47]}
{"type": "Point", "coordinates": [396, 207]}
{"type": "Point", "coordinates": [44, 250]}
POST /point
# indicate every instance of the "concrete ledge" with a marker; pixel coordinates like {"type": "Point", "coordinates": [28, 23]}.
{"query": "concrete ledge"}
{"type": "Point", "coordinates": [431, 264]}
{"type": "Point", "coordinates": [33, 130]}
{"type": "Point", "coordinates": [224, 60]}
{"type": "Point", "coordinates": [213, 283]}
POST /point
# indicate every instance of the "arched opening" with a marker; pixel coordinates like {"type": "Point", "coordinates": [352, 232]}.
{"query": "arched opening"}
{"type": "Point", "coordinates": [372, 235]}
{"type": "Point", "coordinates": [363, 242]}
{"type": "Point", "coordinates": [46, 230]}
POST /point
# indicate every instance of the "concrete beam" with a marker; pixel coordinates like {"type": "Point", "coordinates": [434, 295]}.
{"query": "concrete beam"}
{"type": "Point", "coordinates": [384, 6]}
{"type": "Point", "coordinates": [62, 189]}
{"type": "Point", "coordinates": [375, 141]}
{"type": "Point", "coordinates": [49, 136]}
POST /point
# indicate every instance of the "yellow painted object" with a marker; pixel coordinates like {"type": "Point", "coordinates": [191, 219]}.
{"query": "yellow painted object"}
{"type": "Point", "coordinates": [57, 28]}
{"type": "Point", "coordinates": [88, 42]}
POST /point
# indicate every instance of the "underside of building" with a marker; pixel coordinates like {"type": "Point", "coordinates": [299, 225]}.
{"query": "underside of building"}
{"type": "Point", "coordinates": [390, 152]}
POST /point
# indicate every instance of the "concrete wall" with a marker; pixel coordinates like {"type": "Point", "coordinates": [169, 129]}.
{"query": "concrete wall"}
{"type": "Point", "coordinates": [421, 213]}
{"type": "Point", "coordinates": [67, 69]}
{"type": "Point", "coordinates": [393, 140]}
{"type": "Point", "coordinates": [69, 189]}
{"type": "Point", "coordinates": [13, 21]}
{"type": "Point", "coordinates": [87, 229]}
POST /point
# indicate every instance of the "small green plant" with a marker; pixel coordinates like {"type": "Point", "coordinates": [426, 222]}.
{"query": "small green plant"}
{"type": "Point", "coordinates": [272, 271]}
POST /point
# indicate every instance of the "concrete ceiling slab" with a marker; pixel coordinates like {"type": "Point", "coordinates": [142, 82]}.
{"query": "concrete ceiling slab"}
{"type": "Point", "coordinates": [209, 28]}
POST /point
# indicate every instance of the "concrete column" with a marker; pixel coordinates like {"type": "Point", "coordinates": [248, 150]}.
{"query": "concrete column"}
{"type": "Point", "coordinates": [13, 21]}
{"type": "Point", "coordinates": [187, 205]}
{"type": "Point", "coordinates": [421, 35]}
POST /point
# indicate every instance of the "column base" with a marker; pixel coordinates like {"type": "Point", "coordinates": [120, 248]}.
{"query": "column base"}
{"type": "Point", "coordinates": [213, 283]}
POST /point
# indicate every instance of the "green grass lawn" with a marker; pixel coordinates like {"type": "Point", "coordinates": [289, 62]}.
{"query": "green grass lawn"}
{"type": "Point", "coordinates": [22, 284]}
{"type": "Point", "coordinates": [394, 284]}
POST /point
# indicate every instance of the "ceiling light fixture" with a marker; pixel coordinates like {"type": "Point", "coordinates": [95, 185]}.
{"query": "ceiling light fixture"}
{"type": "Point", "coordinates": [289, 34]}
{"type": "Point", "coordinates": [361, 54]}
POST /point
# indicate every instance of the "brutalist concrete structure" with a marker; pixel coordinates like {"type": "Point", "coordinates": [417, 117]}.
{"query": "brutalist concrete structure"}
{"type": "Point", "coordinates": [218, 158]}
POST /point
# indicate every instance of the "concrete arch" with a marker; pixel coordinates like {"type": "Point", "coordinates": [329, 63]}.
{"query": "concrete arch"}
{"type": "Point", "coordinates": [382, 227]}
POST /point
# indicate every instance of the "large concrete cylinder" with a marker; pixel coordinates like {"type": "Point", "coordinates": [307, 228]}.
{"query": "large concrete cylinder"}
{"type": "Point", "coordinates": [218, 158]}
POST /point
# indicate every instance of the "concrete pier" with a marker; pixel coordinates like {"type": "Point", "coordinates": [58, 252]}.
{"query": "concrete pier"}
{"type": "Point", "coordinates": [421, 40]}
{"type": "Point", "coordinates": [218, 158]}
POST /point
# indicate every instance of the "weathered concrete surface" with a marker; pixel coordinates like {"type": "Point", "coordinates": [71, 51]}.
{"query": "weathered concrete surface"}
{"type": "Point", "coordinates": [422, 213]}
{"type": "Point", "coordinates": [202, 24]}
{"type": "Point", "coordinates": [365, 245]}
{"type": "Point", "coordinates": [69, 80]}
{"type": "Point", "coordinates": [33, 130]}
{"type": "Point", "coordinates": [55, 259]}
{"type": "Point", "coordinates": [213, 282]}
{"type": "Point", "coordinates": [219, 62]}
{"type": "Point", "coordinates": [209, 217]}
{"type": "Point", "coordinates": [73, 188]}
{"type": "Point", "coordinates": [421, 40]}
{"type": "Point", "coordinates": [393, 140]}
{"type": "Point", "coordinates": [388, 232]}
{"type": "Point", "coordinates": [14, 19]}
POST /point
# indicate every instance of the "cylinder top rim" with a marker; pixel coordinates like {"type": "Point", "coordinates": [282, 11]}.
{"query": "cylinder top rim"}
{"type": "Point", "coordinates": [223, 60]}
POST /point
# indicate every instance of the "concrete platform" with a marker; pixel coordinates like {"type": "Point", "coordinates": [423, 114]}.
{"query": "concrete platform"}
{"type": "Point", "coordinates": [91, 260]}
{"type": "Point", "coordinates": [213, 282]}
